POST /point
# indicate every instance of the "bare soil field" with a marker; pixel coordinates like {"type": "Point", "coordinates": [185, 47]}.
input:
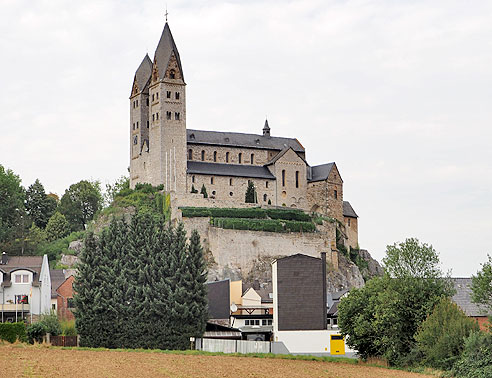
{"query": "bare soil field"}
{"type": "Point", "coordinates": [19, 360]}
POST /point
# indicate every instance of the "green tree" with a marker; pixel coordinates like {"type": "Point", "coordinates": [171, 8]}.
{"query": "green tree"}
{"type": "Point", "coordinates": [57, 227]}
{"type": "Point", "coordinates": [482, 285]}
{"type": "Point", "coordinates": [250, 196]}
{"type": "Point", "coordinates": [11, 210]}
{"type": "Point", "coordinates": [80, 203]}
{"type": "Point", "coordinates": [35, 238]}
{"type": "Point", "coordinates": [440, 337]}
{"type": "Point", "coordinates": [123, 182]}
{"type": "Point", "coordinates": [203, 191]}
{"type": "Point", "coordinates": [476, 360]}
{"type": "Point", "coordinates": [39, 206]}
{"type": "Point", "coordinates": [403, 299]}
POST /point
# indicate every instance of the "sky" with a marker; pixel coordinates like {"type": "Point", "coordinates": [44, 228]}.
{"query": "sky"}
{"type": "Point", "coordinates": [397, 93]}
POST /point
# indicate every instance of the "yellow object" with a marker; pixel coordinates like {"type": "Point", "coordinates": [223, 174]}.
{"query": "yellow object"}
{"type": "Point", "coordinates": [337, 344]}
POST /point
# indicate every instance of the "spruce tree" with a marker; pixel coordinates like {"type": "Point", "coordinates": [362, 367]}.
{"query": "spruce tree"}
{"type": "Point", "coordinates": [250, 196]}
{"type": "Point", "coordinates": [203, 191]}
{"type": "Point", "coordinates": [57, 227]}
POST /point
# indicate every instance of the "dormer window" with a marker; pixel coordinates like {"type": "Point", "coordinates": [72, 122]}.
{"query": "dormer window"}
{"type": "Point", "coordinates": [22, 278]}
{"type": "Point", "coordinates": [192, 136]}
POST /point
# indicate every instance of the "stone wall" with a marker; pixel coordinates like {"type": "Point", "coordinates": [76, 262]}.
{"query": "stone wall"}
{"type": "Point", "coordinates": [351, 230]}
{"type": "Point", "coordinates": [232, 189]}
{"type": "Point", "coordinates": [326, 197]}
{"type": "Point", "coordinates": [260, 156]}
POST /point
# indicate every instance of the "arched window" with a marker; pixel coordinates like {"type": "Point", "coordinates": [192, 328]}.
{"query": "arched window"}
{"type": "Point", "coordinates": [283, 177]}
{"type": "Point", "coordinates": [193, 179]}
{"type": "Point", "coordinates": [240, 157]}
{"type": "Point", "coordinates": [211, 180]}
{"type": "Point", "coordinates": [297, 179]}
{"type": "Point", "coordinates": [227, 157]}
{"type": "Point", "coordinates": [230, 182]}
{"type": "Point", "coordinates": [252, 158]}
{"type": "Point", "coordinates": [203, 155]}
{"type": "Point", "coordinates": [172, 74]}
{"type": "Point", "coordinates": [264, 197]}
{"type": "Point", "coordinates": [190, 154]}
{"type": "Point", "coordinates": [215, 155]}
{"type": "Point", "coordinates": [266, 184]}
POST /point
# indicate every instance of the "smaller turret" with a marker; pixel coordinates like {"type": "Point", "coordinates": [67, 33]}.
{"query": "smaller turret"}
{"type": "Point", "coordinates": [266, 129]}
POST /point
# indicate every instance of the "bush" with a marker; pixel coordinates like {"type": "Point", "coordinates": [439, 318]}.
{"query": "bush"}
{"type": "Point", "coordinates": [440, 337]}
{"type": "Point", "coordinates": [12, 331]}
{"type": "Point", "coordinates": [68, 328]}
{"type": "Point", "coordinates": [289, 214]}
{"type": "Point", "coordinates": [270, 225]}
{"type": "Point", "coordinates": [476, 360]}
{"type": "Point", "coordinates": [36, 332]}
{"type": "Point", "coordinates": [52, 324]}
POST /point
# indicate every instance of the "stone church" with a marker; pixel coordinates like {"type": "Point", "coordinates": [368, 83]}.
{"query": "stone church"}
{"type": "Point", "coordinates": [164, 151]}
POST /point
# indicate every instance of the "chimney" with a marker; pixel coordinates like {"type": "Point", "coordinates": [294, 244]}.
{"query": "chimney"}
{"type": "Point", "coordinates": [4, 258]}
{"type": "Point", "coordinates": [323, 274]}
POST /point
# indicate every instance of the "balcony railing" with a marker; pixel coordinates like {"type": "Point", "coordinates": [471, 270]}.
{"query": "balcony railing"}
{"type": "Point", "coordinates": [8, 307]}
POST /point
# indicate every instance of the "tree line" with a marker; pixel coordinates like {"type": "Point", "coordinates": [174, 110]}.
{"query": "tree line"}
{"type": "Point", "coordinates": [141, 284]}
{"type": "Point", "coordinates": [30, 218]}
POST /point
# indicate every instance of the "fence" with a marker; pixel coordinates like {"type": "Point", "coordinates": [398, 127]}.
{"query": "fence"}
{"type": "Point", "coordinates": [66, 341]}
{"type": "Point", "coordinates": [233, 346]}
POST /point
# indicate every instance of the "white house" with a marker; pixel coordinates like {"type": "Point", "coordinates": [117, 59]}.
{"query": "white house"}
{"type": "Point", "coordinates": [25, 287]}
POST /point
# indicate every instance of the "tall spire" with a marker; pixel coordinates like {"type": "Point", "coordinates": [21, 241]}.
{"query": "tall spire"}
{"type": "Point", "coordinates": [166, 48]}
{"type": "Point", "coordinates": [266, 129]}
{"type": "Point", "coordinates": [142, 75]}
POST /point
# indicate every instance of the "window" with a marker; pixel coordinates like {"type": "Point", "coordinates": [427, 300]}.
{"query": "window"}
{"type": "Point", "coordinates": [252, 158]}
{"type": "Point", "coordinates": [172, 74]}
{"type": "Point", "coordinates": [168, 94]}
{"type": "Point", "coordinates": [266, 184]}
{"type": "Point", "coordinates": [193, 179]}
{"type": "Point", "coordinates": [133, 104]}
{"type": "Point", "coordinates": [22, 278]}
{"type": "Point", "coordinates": [18, 278]}
{"type": "Point", "coordinates": [203, 155]}
{"type": "Point", "coordinates": [153, 117]}
{"type": "Point", "coordinates": [176, 95]}
{"type": "Point", "coordinates": [240, 157]}
{"type": "Point", "coordinates": [137, 124]}
{"type": "Point", "coordinates": [157, 96]}
{"type": "Point", "coordinates": [168, 115]}
{"type": "Point", "coordinates": [70, 303]}
{"type": "Point", "coordinates": [53, 306]}
{"type": "Point", "coordinates": [137, 103]}
{"type": "Point", "coordinates": [230, 182]}
{"type": "Point", "coordinates": [176, 116]}
{"type": "Point", "coordinates": [211, 180]}
{"type": "Point", "coordinates": [349, 222]}
{"type": "Point", "coordinates": [231, 194]}
{"type": "Point", "coordinates": [157, 116]}
{"type": "Point", "coordinates": [213, 192]}
{"type": "Point", "coordinates": [190, 155]}
{"type": "Point", "coordinates": [266, 322]}
{"type": "Point", "coordinates": [147, 101]}
{"type": "Point", "coordinates": [134, 126]}
{"type": "Point", "coordinates": [227, 157]}
{"type": "Point", "coordinates": [297, 179]}
{"type": "Point", "coordinates": [21, 299]}
{"type": "Point", "coordinates": [335, 194]}
{"type": "Point", "coordinates": [147, 124]}
{"type": "Point", "coordinates": [135, 139]}
{"type": "Point", "coordinates": [215, 155]}
{"type": "Point", "coordinates": [153, 98]}
{"type": "Point", "coordinates": [283, 177]}
{"type": "Point", "coordinates": [265, 197]}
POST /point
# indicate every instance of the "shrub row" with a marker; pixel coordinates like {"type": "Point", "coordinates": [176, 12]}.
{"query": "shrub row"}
{"type": "Point", "coordinates": [12, 331]}
{"type": "Point", "coordinates": [271, 225]}
{"type": "Point", "coordinates": [252, 213]}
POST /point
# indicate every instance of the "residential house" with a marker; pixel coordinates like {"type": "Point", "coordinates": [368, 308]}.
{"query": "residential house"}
{"type": "Point", "coordinates": [25, 287]}
{"type": "Point", "coordinates": [463, 299]}
{"type": "Point", "coordinates": [65, 303]}
{"type": "Point", "coordinates": [57, 278]}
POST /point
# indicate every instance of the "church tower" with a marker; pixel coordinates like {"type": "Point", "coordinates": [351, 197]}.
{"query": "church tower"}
{"type": "Point", "coordinates": [162, 156]}
{"type": "Point", "coordinates": [167, 116]}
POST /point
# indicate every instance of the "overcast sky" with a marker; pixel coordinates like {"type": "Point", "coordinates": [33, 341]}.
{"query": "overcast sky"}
{"type": "Point", "coordinates": [397, 93]}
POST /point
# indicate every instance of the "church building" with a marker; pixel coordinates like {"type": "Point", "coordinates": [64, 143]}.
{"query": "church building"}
{"type": "Point", "coordinates": [164, 151]}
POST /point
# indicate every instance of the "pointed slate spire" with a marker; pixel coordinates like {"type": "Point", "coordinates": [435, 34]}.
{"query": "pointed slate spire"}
{"type": "Point", "coordinates": [142, 75]}
{"type": "Point", "coordinates": [266, 129]}
{"type": "Point", "coordinates": [166, 48]}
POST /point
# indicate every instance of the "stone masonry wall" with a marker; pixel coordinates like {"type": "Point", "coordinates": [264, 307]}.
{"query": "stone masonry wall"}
{"type": "Point", "coordinates": [260, 157]}
{"type": "Point", "coordinates": [352, 231]}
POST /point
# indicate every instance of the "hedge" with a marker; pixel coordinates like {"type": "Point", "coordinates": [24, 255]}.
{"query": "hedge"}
{"type": "Point", "coordinates": [270, 225]}
{"type": "Point", "coordinates": [252, 213]}
{"type": "Point", "coordinates": [12, 331]}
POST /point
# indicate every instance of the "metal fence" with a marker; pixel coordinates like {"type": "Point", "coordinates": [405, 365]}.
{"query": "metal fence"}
{"type": "Point", "coordinates": [68, 341]}
{"type": "Point", "coordinates": [233, 346]}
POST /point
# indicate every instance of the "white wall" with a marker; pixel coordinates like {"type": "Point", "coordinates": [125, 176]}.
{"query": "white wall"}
{"type": "Point", "coordinates": [308, 341]}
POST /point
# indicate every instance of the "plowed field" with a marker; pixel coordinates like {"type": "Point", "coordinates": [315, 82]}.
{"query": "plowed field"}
{"type": "Point", "coordinates": [38, 361]}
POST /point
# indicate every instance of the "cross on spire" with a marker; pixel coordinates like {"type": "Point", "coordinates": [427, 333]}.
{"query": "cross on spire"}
{"type": "Point", "coordinates": [166, 13]}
